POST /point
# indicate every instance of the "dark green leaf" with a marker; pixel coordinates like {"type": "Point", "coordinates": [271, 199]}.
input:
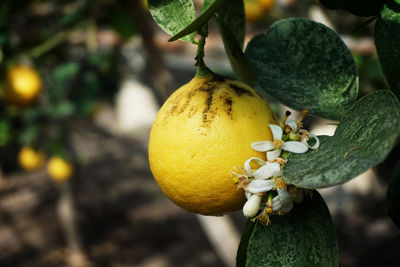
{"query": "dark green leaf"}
{"type": "Point", "coordinates": [244, 242]}
{"type": "Point", "coordinates": [209, 8]}
{"type": "Point", "coordinates": [363, 139]}
{"type": "Point", "coordinates": [121, 20]}
{"type": "Point", "coordinates": [305, 65]}
{"type": "Point", "coordinates": [235, 55]}
{"type": "Point", "coordinates": [233, 16]}
{"type": "Point", "coordinates": [303, 237]}
{"type": "Point", "coordinates": [5, 132]}
{"type": "Point", "coordinates": [393, 195]}
{"type": "Point", "coordinates": [173, 15]}
{"type": "Point", "coordinates": [62, 109]}
{"type": "Point", "coordinates": [387, 41]}
{"type": "Point", "coordinates": [362, 8]}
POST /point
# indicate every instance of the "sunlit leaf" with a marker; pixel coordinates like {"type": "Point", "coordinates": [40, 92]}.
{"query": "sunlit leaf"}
{"type": "Point", "coordinates": [196, 24]}
{"type": "Point", "coordinates": [363, 139]}
{"type": "Point", "coordinates": [387, 41]}
{"type": "Point", "coordinates": [304, 65]}
{"type": "Point", "coordinates": [173, 15]}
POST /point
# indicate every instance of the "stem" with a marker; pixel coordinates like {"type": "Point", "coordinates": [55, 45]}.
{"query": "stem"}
{"type": "Point", "coordinates": [202, 69]}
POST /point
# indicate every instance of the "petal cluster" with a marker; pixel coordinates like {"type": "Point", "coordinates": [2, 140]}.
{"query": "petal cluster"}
{"type": "Point", "coordinates": [265, 189]}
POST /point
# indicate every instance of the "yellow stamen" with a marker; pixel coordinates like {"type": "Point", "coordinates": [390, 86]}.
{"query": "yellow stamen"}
{"type": "Point", "coordinates": [303, 114]}
{"type": "Point", "coordinates": [281, 184]}
{"type": "Point", "coordinates": [264, 219]}
{"type": "Point", "coordinates": [278, 143]}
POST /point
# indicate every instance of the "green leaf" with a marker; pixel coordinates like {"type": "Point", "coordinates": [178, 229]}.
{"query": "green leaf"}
{"type": "Point", "coordinates": [387, 42]}
{"type": "Point", "coordinates": [208, 10]}
{"type": "Point", "coordinates": [173, 15]}
{"type": "Point", "coordinates": [363, 139]}
{"type": "Point", "coordinates": [304, 65]}
{"type": "Point", "coordinates": [232, 15]}
{"type": "Point", "coordinates": [303, 237]}
{"type": "Point", "coordinates": [235, 55]}
{"type": "Point", "coordinates": [362, 8]}
{"type": "Point", "coordinates": [393, 195]}
{"type": "Point", "coordinates": [244, 243]}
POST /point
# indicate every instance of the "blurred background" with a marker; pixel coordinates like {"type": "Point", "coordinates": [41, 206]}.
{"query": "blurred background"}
{"type": "Point", "coordinates": [81, 82]}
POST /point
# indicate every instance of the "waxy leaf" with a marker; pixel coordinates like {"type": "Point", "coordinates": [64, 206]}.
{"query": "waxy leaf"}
{"type": "Point", "coordinates": [362, 8]}
{"type": "Point", "coordinates": [387, 42]}
{"type": "Point", "coordinates": [303, 237]}
{"type": "Point", "coordinates": [393, 195]}
{"type": "Point", "coordinates": [173, 15]}
{"type": "Point", "coordinates": [363, 139]}
{"type": "Point", "coordinates": [210, 7]}
{"type": "Point", "coordinates": [304, 65]}
{"type": "Point", "coordinates": [235, 55]}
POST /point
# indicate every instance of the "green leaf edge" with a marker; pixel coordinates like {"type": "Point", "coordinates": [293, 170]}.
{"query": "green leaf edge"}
{"type": "Point", "coordinates": [199, 22]}
{"type": "Point", "coordinates": [235, 54]}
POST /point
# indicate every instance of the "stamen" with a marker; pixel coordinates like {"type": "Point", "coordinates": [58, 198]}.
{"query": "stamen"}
{"type": "Point", "coordinates": [281, 184]}
{"type": "Point", "coordinates": [278, 143]}
{"type": "Point", "coordinates": [285, 117]}
{"type": "Point", "coordinates": [303, 114]}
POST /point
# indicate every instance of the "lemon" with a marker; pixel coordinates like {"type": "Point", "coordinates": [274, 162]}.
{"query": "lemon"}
{"type": "Point", "coordinates": [58, 169]}
{"type": "Point", "coordinates": [201, 133]}
{"type": "Point", "coordinates": [256, 9]}
{"type": "Point", "coordinates": [23, 86]}
{"type": "Point", "coordinates": [30, 159]}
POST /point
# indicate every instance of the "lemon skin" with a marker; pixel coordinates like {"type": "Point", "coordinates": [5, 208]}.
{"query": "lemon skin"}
{"type": "Point", "coordinates": [30, 159]}
{"type": "Point", "coordinates": [58, 169]}
{"type": "Point", "coordinates": [23, 86]}
{"type": "Point", "coordinates": [201, 133]}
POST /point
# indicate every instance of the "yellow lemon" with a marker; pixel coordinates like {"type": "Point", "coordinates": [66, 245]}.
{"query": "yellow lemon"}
{"type": "Point", "coordinates": [22, 87]}
{"type": "Point", "coordinates": [201, 133]}
{"type": "Point", "coordinates": [30, 159]}
{"type": "Point", "coordinates": [256, 9]}
{"type": "Point", "coordinates": [58, 169]}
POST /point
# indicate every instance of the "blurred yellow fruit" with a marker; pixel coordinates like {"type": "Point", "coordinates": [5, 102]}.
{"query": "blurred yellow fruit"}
{"type": "Point", "coordinates": [256, 9]}
{"type": "Point", "coordinates": [58, 169]}
{"type": "Point", "coordinates": [201, 133]}
{"type": "Point", "coordinates": [30, 159]}
{"type": "Point", "coordinates": [23, 86]}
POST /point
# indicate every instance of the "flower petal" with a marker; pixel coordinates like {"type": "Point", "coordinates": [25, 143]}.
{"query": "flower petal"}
{"type": "Point", "coordinates": [275, 168]}
{"type": "Point", "coordinates": [287, 207]}
{"type": "Point", "coordinates": [276, 131]}
{"type": "Point", "coordinates": [284, 196]}
{"type": "Point", "coordinates": [252, 206]}
{"type": "Point", "coordinates": [247, 167]}
{"type": "Point", "coordinates": [272, 155]}
{"type": "Point", "coordinates": [316, 141]}
{"type": "Point", "coordinates": [292, 124]}
{"type": "Point", "coordinates": [267, 171]}
{"type": "Point", "coordinates": [263, 146]}
{"type": "Point", "coordinates": [295, 147]}
{"type": "Point", "coordinates": [258, 186]}
{"type": "Point", "coordinates": [276, 203]}
{"type": "Point", "coordinates": [248, 195]}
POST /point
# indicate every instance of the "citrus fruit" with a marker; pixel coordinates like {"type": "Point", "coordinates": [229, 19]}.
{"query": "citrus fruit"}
{"type": "Point", "coordinates": [256, 9]}
{"type": "Point", "coordinates": [201, 133]}
{"type": "Point", "coordinates": [30, 159]}
{"type": "Point", "coordinates": [23, 86]}
{"type": "Point", "coordinates": [59, 169]}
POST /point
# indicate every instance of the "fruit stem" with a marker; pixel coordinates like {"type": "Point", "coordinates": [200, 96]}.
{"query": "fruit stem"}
{"type": "Point", "coordinates": [202, 69]}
